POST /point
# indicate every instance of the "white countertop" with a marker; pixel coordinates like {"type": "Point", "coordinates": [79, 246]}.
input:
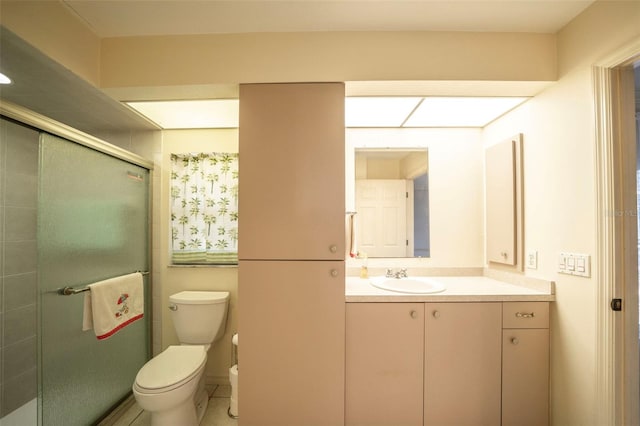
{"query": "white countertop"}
{"type": "Point", "coordinates": [458, 289]}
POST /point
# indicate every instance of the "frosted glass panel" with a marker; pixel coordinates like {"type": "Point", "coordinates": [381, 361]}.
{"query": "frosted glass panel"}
{"type": "Point", "coordinates": [92, 225]}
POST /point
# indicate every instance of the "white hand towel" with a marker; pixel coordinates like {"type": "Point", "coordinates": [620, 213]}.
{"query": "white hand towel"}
{"type": "Point", "coordinates": [112, 304]}
{"type": "Point", "coordinates": [353, 246]}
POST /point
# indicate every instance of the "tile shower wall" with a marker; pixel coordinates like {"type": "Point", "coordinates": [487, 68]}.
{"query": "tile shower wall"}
{"type": "Point", "coordinates": [18, 263]}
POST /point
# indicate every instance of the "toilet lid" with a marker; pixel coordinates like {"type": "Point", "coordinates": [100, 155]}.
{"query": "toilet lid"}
{"type": "Point", "coordinates": [174, 365]}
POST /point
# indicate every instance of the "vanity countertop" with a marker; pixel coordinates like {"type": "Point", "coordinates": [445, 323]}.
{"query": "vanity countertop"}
{"type": "Point", "coordinates": [458, 289]}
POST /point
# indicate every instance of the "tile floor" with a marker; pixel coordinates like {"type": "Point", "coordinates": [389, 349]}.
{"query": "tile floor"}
{"type": "Point", "coordinates": [216, 414]}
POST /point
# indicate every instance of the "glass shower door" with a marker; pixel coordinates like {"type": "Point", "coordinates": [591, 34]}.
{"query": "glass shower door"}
{"type": "Point", "coordinates": [93, 224]}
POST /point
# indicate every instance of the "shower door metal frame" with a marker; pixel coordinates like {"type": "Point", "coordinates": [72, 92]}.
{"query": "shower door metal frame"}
{"type": "Point", "coordinates": [48, 125]}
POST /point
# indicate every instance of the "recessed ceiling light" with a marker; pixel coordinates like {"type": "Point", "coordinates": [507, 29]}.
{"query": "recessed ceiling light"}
{"type": "Point", "coordinates": [426, 111]}
{"type": "Point", "coordinates": [196, 114]}
{"type": "Point", "coordinates": [4, 79]}
{"type": "Point", "coordinates": [461, 111]}
{"type": "Point", "coordinates": [378, 111]}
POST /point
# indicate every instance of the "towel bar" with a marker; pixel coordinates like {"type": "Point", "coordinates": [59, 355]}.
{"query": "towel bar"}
{"type": "Point", "coordinates": [68, 291]}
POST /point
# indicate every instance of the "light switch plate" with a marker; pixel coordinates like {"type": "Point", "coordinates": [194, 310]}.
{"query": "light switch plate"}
{"type": "Point", "coordinates": [574, 264]}
{"type": "Point", "coordinates": [532, 259]}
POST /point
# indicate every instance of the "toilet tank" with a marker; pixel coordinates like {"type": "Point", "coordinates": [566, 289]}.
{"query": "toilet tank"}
{"type": "Point", "coordinates": [199, 317]}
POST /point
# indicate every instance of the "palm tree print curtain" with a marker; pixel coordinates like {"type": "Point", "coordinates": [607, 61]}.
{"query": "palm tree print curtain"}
{"type": "Point", "coordinates": [204, 208]}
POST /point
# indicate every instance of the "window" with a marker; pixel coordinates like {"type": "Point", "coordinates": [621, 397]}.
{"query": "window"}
{"type": "Point", "coordinates": [204, 208]}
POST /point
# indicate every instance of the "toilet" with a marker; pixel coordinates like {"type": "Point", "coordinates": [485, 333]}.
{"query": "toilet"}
{"type": "Point", "coordinates": [171, 385]}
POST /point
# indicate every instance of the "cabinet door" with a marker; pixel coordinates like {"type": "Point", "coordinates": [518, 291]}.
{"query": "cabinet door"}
{"type": "Point", "coordinates": [384, 364]}
{"type": "Point", "coordinates": [291, 318]}
{"type": "Point", "coordinates": [292, 202]}
{"type": "Point", "coordinates": [501, 203]}
{"type": "Point", "coordinates": [462, 364]}
{"type": "Point", "coordinates": [525, 377]}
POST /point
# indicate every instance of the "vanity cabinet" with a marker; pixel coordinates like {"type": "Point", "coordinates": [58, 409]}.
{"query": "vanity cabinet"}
{"type": "Point", "coordinates": [384, 364]}
{"type": "Point", "coordinates": [462, 364]}
{"type": "Point", "coordinates": [438, 364]}
{"type": "Point", "coordinates": [525, 364]}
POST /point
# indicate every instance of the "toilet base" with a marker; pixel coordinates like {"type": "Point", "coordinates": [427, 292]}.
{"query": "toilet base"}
{"type": "Point", "coordinates": [183, 415]}
{"type": "Point", "coordinates": [201, 401]}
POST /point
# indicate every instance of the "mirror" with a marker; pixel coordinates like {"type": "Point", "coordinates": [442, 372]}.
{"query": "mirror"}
{"type": "Point", "coordinates": [392, 201]}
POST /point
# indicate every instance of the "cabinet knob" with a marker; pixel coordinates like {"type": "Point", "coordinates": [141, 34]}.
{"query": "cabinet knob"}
{"type": "Point", "coordinates": [334, 272]}
{"type": "Point", "coordinates": [436, 314]}
{"type": "Point", "coordinates": [413, 314]}
{"type": "Point", "coordinates": [515, 340]}
{"type": "Point", "coordinates": [504, 254]}
{"type": "Point", "coordinates": [333, 248]}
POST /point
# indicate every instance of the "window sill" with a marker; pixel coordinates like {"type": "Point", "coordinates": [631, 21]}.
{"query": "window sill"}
{"type": "Point", "coordinates": [202, 266]}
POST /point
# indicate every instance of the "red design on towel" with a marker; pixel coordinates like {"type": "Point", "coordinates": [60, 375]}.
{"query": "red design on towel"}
{"type": "Point", "coordinates": [122, 300]}
{"type": "Point", "coordinates": [129, 321]}
{"type": "Point", "coordinates": [125, 308]}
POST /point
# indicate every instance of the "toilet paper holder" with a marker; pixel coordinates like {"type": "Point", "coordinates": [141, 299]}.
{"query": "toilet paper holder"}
{"type": "Point", "coordinates": [233, 378]}
{"type": "Point", "coordinates": [234, 349]}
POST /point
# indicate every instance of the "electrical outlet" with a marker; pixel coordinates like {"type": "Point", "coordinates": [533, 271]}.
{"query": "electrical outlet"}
{"type": "Point", "coordinates": [532, 259]}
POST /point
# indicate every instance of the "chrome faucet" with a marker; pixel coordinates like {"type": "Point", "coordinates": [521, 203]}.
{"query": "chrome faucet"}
{"type": "Point", "coordinates": [401, 273]}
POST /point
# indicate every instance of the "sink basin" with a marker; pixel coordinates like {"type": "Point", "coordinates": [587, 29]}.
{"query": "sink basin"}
{"type": "Point", "coordinates": [414, 285]}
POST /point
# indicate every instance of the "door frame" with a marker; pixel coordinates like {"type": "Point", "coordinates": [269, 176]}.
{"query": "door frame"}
{"type": "Point", "coordinates": [617, 371]}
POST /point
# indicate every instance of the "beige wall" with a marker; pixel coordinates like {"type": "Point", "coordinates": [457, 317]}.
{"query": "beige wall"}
{"type": "Point", "coordinates": [559, 176]}
{"type": "Point", "coordinates": [455, 191]}
{"type": "Point", "coordinates": [175, 279]}
{"type": "Point", "coordinates": [326, 56]}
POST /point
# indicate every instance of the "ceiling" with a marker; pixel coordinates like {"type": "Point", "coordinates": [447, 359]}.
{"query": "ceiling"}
{"type": "Point", "coordinates": [52, 90]}
{"type": "Point", "coordinates": [109, 18]}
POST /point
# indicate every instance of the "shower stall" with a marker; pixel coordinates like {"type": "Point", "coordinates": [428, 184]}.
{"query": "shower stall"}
{"type": "Point", "coordinates": [73, 210]}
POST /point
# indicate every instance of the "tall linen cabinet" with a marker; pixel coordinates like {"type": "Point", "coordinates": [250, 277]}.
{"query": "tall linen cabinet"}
{"type": "Point", "coordinates": [291, 250]}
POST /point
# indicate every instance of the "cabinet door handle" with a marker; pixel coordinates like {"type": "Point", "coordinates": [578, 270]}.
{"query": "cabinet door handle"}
{"type": "Point", "coordinates": [333, 248]}
{"type": "Point", "coordinates": [525, 314]}
{"type": "Point", "coordinates": [515, 340]}
{"type": "Point", "coordinates": [413, 314]}
{"type": "Point", "coordinates": [334, 272]}
{"type": "Point", "coordinates": [436, 314]}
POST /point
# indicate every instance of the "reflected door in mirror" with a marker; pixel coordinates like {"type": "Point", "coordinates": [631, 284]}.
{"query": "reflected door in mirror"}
{"type": "Point", "coordinates": [382, 217]}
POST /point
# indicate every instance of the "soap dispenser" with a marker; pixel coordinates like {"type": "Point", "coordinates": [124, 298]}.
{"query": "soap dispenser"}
{"type": "Point", "coordinates": [364, 270]}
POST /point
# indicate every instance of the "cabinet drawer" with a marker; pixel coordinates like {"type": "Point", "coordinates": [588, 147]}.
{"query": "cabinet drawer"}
{"type": "Point", "coordinates": [525, 315]}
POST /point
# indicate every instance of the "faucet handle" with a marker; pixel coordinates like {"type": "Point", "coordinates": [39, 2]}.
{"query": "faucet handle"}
{"type": "Point", "coordinates": [403, 272]}
{"type": "Point", "coordinates": [389, 273]}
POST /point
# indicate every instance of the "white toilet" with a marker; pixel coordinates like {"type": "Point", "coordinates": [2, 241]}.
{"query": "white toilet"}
{"type": "Point", "coordinates": [171, 385]}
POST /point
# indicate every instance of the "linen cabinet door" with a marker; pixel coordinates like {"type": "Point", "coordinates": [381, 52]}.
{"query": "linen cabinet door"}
{"type": "Point", "coordinates": [291, 185]}
{"type": "Point", "coordinates": [462, 364]}
{"type": "Point", "coordinates": [384, 364]}
{"type": "Point", "coordinates": [293, 343]}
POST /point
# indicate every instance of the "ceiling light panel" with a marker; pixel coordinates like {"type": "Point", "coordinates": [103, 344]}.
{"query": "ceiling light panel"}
{"type": "Point", "coordinates": [378, 111]}
{"type": "Point", "coordinates": [197, 114]}
{"type": "Point", "coordinates": [461, 111]}
{"type": "Point", "coordinates": [4, 79]}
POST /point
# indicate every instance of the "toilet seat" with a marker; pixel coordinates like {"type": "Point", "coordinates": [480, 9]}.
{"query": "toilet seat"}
{"type": "Point", "coordinates": [171, 369]}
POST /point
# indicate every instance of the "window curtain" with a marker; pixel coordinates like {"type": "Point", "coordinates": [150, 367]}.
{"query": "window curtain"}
{"type": "Point", "coordinates": [204, 208]}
